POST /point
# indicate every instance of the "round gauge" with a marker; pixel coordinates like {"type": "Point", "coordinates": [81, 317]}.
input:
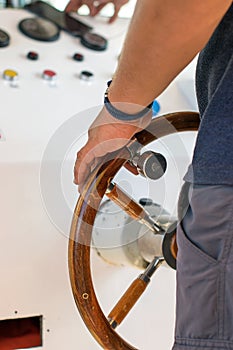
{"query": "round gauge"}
{"type": "Point", "coordinates": [39, 29]}
{"type": "Point", "coordinates": [94, 41]}
{"type": "Point", "coordinates": [4, 39]}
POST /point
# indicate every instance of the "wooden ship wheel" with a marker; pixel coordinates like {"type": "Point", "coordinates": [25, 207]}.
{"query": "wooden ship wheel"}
{"type": "Point", "coordinates": [99, 184]}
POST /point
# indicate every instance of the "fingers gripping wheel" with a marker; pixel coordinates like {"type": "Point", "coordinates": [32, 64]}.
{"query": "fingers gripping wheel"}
{"type": "Point", "coordinates": [82, 225]}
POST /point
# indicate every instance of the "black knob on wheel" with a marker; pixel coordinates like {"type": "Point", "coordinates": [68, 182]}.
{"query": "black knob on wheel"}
{"type": "Point", "coordinates": [152, 165]}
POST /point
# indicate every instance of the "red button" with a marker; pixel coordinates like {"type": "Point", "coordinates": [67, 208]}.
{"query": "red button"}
{"type": "Point", "coordinates": [49, 74]}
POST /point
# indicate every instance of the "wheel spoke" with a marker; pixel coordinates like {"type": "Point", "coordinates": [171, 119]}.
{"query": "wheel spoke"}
{"type": "Point", "coordinates": [132, 208]}
{"type": "Point", "coordinates": [133, 293]}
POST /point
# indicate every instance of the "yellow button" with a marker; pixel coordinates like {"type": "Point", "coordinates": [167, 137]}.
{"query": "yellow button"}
{"type": "Point", "coordinates": [9, 74]}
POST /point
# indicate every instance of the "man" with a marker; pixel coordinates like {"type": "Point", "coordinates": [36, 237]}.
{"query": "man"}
{"type": "Point", "coordinates": [164, 36]}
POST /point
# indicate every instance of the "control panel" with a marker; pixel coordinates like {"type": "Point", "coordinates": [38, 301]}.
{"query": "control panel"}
{"type": "Point", "coordinates": [44, 83]}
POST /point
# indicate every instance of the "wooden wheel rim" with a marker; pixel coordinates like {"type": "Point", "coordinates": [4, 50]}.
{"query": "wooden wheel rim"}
{"type": "Point", "coordinates": [83, 221]}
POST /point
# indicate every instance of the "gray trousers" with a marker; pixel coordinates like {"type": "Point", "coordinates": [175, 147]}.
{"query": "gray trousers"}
{"type": "Point", "coordinates": [204, 309]}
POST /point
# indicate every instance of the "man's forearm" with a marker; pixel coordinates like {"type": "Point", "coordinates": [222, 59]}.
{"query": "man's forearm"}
{"type": "Point", "coordinates": [164, 36]}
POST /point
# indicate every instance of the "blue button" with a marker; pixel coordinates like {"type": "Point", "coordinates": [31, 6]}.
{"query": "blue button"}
{"type": "Point", "coordinates": [155, 108]}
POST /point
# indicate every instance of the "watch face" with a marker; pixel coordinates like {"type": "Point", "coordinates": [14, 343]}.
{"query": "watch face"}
{"type": "Point", "coordinates": [94, 41]}
{"type": "Point", "coordinates": [4, 39]}
{"type": "Point", "coordinates": [39, 29]}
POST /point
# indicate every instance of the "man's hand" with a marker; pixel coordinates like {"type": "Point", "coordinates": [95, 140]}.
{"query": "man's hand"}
{"type": "Point", "coordinates": [96, 6]}
{"type": "Point", "coordinates": [105, 135]}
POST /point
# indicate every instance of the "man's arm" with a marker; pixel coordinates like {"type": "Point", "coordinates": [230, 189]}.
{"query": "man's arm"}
{"type": "Point", "coordinates": [164, 36]}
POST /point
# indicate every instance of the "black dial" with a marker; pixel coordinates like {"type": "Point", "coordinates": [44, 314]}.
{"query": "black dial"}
{"type": "Point", "coordinates": [39, 29]}
{"type": "Point", "coordinates": [94, 41]}
{"type": "Point", "coordinates": [4, 39]}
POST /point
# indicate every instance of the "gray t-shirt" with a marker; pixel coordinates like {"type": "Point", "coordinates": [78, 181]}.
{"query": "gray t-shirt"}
{"type": "Point", "coordinates": [213, 155]}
